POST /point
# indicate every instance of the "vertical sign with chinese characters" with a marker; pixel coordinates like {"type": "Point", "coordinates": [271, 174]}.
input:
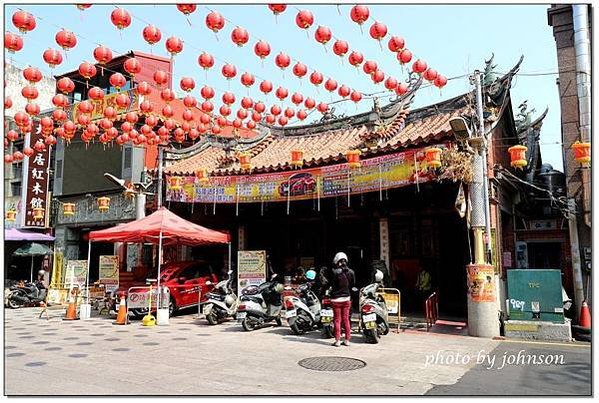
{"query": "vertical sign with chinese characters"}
{"type": "Point", "coordinates": [35, 186]}
{"type": "Point", "coordinates": [384, 240]}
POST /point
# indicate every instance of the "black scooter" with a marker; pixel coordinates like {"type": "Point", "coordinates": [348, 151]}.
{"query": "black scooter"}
{"type": "Point", "coordinates": [31, 294]}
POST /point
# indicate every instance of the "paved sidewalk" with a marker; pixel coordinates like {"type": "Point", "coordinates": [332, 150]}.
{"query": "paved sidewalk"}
{"type": "Point", "coordinates": [189, 357]}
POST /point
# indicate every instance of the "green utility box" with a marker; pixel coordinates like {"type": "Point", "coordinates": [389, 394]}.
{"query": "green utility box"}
{"type": "Point", "coordinates": [535, 295]}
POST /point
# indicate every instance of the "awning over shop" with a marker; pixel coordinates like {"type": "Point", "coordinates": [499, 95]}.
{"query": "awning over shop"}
{"type": "Point", "coordinates": [14, 234]}
{"type": "Point", "coordinates": [172, 228]}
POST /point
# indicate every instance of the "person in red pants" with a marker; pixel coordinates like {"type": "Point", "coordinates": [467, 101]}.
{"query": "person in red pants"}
{"type": "Point", "coordinates": [342, 280]}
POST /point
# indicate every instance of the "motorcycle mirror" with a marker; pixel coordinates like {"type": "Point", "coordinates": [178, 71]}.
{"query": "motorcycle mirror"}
{"type": "Point", "coordinates": [273, 276]}
{"type": "Point", "coordinates": [354, 289]}
{"type": "Point", "coordinates": [208, 282]}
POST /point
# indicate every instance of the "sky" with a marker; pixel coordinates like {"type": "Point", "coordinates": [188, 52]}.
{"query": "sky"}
{"type": "Point", "coordinates": [453, 39]}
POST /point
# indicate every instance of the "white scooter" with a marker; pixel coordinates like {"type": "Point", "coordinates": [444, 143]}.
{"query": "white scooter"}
{"type": "Point", "coordinates": [303, 312]}
{"type": "Point", "coordinates": [222, 302]}
{"type": "Point", "coordinates": [374, 320]}
{"type": "Point", "coordinates": [260, 304]}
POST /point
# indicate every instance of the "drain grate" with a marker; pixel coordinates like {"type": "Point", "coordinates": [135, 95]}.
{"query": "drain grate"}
{"type": "Point", "coordinates": [332, 363]}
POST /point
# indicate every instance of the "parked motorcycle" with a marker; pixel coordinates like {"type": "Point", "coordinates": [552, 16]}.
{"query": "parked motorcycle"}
{"type": "Point", "coordinates": [29, 294]}
{"type": "Point", "coordinates": [260, 304]}
{"type": "Point", "coordinates": [222, 302]}
{"type": "Point", "coordinates": [374, 320]}
{"type": "Point", "coordinates": [326, 316]}
{"type": "Point", "coordinates": [303, 311]}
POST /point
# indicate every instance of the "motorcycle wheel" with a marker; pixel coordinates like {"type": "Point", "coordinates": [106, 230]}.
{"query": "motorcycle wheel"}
{"type": "Point", "coordinates": [212, 318]}
{"type": "Point", "coordinates": [385, 328]}
{"type": "Point", "coordinates": [248, 325]}
{"type": "Point", "coordinates": [329, 331]}
{"type": "Point", "coordinates": [298, 330]}
{"type": "Point", "coordinates": [279, 322]}
{"type": "Point", "coordinates": [13, 303]}
{"type": "Point", "coordinates": [372, 335]}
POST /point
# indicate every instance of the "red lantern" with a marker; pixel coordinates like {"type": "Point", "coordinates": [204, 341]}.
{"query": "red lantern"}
{"type": "Point", "coordinates": [205, 119]}
{"type": "Point", "coordinates": [46, 123]}
{"type": "Point", "coordinates": [186, 8]}
{"type": "Point", "coordinates": [309, 103]}
{"type": "Point", "coordinates": [83, 6]}
{"type": "Point", "coordinates": [390, 83]}
{"type": "Point", "coordinates": [289, 112]}
{"type": "Point", "coordinates": [229, 71]}
{"type": "Point", "coordinates": [66, 39]}
{"type": "Point", "coordinates": [160, 77]}
{"type": "Point", "coordinates": [283, 120]}
{"type": "Point", "coordinates": [32, 109]}
{"type": "Point", "coordinates": [28, 151]}
{"type": "Point", "coordinates": [262, 49]}
{"type": "Point", "coordinates": [356, 96]}
{"type": "Point", "coordinates": [215, 22]}
{"type": "Point", "coordinates": [240, 36]}
{"type": "Point", "coordinates": [50, 140]}
{"type": "Point", "coordinates": [85, 107]}
{"type": "Point", "coordinates": [250, 124]}
{"type": "Point", "coordinates": [430, 74]}
{"type": "Point", "coordinates": [256, 116]}
{"type": "Point", "coordinates": [228, 98]}
{"type": "Point", "coordinates": [330, 85]}
{"type": "Point", "coordinates": [65, 85]}
{"type": "Point", "coordinates": [353, 159]}
{"type": "Point", "coordinates": [301, 114]}
{"type": "Point", "coordinates": [304, 19]}
{"type": "Point", "coordinates": [189, 101]}
{"type": "Point", "coordinates": [270, 119]}
{"type": "Point", "coordinates": [242, 114]}
{"type": "Point", "coordinates": [221, 121]}
{"type": "Point", "coordinates": [151, 120]}
{"type": "Point", "coordinates": [297, 98]}
{"type": "Point", "coordinates": [59, 115]}
{"type": "Point", "coordinates": [120, 18]}
{"type": "Point", "coordinates": [117, 80]}
{"type": "Point", "coordinates": [245, 160]}
{"type": "Point", "coordinates": [323, 34]}
{"type": "Point", "coordinates": [21, 119]}
{"type": "Point", "coordinates": [18, 156]}
{"type": "Point", "coordinates": [102, 54]}
{"type": "Point", "coordinates": [39, 146]}
{"type": "Point", "coordinates": [151, 34]}
{"type": "Point", "coordinates": [237, 123]}
{"type": "Point", "coordinates": [187, 84]}
{"type": "Point", "coordinates": [582, 153]}
{"type": "Point", "coordinates": [32, 74]}
{"type": "Point", "coordinates": [87, 70]}
{"type": "Point", "coordinates": [174, 45]}
{"type": "Point", "coordinates": [132, 66]}
{"type": "Point", "coordinates": [396, 43]}
{"type": "Point", "coordinates": [187, 115]}
{"type": "Point", "coordinates": [440, 81]}
{"type": "Point", "coordinates": [215, 129]}
{"type": "Point", "coordinates": [247, 79]}
{"type": "Point", "coordinates": [518, 156]}
{"type": "Point", "coordinates": [340, 47]}
{"type": "Point", "coordinates": [300, 69]}
{"type": "Point", "coordinates": [24, 21]}
{"type": "Point", "coordinates": [433, 157]}
{"type": "Point", "coordinates": [355, 58]}
{"type": "Point", "coordinates": [277, 8]}
{"type": "Point", "coordinates": [247, 102]}
{"type": "Point", "coordinates": [143, 88]}
{"type": "Point", "coordinates": [122, 100]}
{"type": "Point", "coordinates": [52, 57]}
{"type": "Point", "coordinates": [266, 87]}
{"type": "Point", "coordinates": [224, 110]}
{"type": "Point", "coordinates": [207, 106]}
{"type": "Point", "coordinates": [419, 66]}
{"type": "Point", "coordinates": [282, 60]}
{"type": "Point", "coordinates": [206, 61]}
{"type": "Point", "coordinates": [401, 89]}
{"type": "Point", "coordinates": [167, 95]}
{"type": "Point", "coordinates": [275, 110]}
{"type": "Point", "coordinates": [13, 42]}
{"type": "Point", "coordinates": [131, 117]}
{"type": "Point", "coordinates": [83, 120]}
{"type": "Point", "coordinates": [8, 159]}
{"type": "Point", "coordinates": [207, 92]}
{"type": "Point", "coordinates": [378, 76]}
{"type": "Point", "coordinates": [359, 14]}
{"type": "Point", "coordinates": [404, 56]}
{"type": "Point", "coordinates": [316, 78]}
{"type": "Point", "coordinates": [344, 91]}
{"type": "Point", "coordinates": [7, 102]}
{"type": "Point", "coordinates": [281, 93]}
{"type": "Point", "coordinates": [110, 113]}
{"type": "Point", "coordinates": [370, 67]}
{"type": "Point", "coordinates": [378, 31]}
{"type": "Point", "coordinates": [322, 107]}
{"type": "Point", "coordinates": [146, 106]}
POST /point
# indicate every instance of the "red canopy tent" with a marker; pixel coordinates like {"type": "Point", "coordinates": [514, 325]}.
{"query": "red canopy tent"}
{"type": "Point", "coordinates": [162, 227]}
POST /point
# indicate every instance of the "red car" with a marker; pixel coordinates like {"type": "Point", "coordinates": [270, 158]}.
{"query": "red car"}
{"type": "Point", "coordinates": [184, 280]}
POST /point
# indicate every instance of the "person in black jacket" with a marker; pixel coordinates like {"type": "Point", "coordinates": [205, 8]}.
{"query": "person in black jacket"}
{"type": "Point", "coordinates": [342, 279]}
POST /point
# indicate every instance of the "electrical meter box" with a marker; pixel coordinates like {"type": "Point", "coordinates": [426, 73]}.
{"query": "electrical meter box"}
{"type": "Point", "coordinates": [535, 295]}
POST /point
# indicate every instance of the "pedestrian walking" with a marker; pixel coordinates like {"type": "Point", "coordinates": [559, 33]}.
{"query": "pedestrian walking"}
{"type": "Point", "coordinates": [342, 280]}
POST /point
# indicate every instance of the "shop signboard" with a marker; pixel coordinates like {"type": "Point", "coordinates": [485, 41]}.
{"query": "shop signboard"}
{"type": "Point", "coordinates": [76, 273]}
{"type": "Point", "coordinates": [57, 267]}
{"type": "Point", "coordinates": [251, 268]}
{"type": "Point", "coordinates": [137, 297]}
{"type": "Point", "coordinates": [109, 272]}
{"type": "Point", "coordinates": [106, 101]}
{"type": "Point", "coordinates": [375, 174]}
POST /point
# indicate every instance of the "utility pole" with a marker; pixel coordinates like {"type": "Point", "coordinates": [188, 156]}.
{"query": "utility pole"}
{"type": "Point", "coordinates": [575, 253]}
{"type": "Point", "coordinates": [159, 185]}
{"type": "Point", "coordinates": [483, 319]}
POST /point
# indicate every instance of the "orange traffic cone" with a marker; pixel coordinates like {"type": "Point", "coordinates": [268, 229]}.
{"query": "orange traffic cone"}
{"type": "Point", "coordinates": [121, 318]}
{"type": "Point", "coordinates": [585, 316]}
{"type": "Point", "coordinates": [71, 312]}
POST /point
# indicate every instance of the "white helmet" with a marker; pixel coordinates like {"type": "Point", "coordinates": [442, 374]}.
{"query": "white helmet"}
{"type": "Point", "coordinates": [378, 276]}
{"type": "Point", "coordinates": [41, 272]}
{"type": "Point", "coordinates": [339, 256]}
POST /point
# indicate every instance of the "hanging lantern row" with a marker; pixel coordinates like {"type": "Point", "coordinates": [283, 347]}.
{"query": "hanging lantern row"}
{"type": "Point", "coordinates": [582, 153]}
{"type": "Point", "coordinates": [11, 215]}
{"type": "Point", "coordinates": [353, 158]}
{"type": "Point", "coordinates": [518, 156]}
{"type": "Point", "coordinates": [297, 158]}
{"type": "Point", "coordinates": [433, 157]}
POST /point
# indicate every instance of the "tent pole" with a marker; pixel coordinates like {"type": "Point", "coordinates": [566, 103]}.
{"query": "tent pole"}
{"type": "Point", "coordinates": [89, 258]}
{"type": "Point", "coordinates": [230, 268]}
{"type": "Point", "coordinates": [31, 274]}
{"type": "Point", "coordinates": [159, 264]}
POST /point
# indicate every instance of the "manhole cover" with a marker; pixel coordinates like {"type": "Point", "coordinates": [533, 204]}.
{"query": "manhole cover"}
{"type": "Point", "coordinates": [332, 363]}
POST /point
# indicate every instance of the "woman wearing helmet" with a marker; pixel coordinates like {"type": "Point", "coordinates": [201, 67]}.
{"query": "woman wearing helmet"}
{"type": "Point", "coordinates": [342, 280]}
